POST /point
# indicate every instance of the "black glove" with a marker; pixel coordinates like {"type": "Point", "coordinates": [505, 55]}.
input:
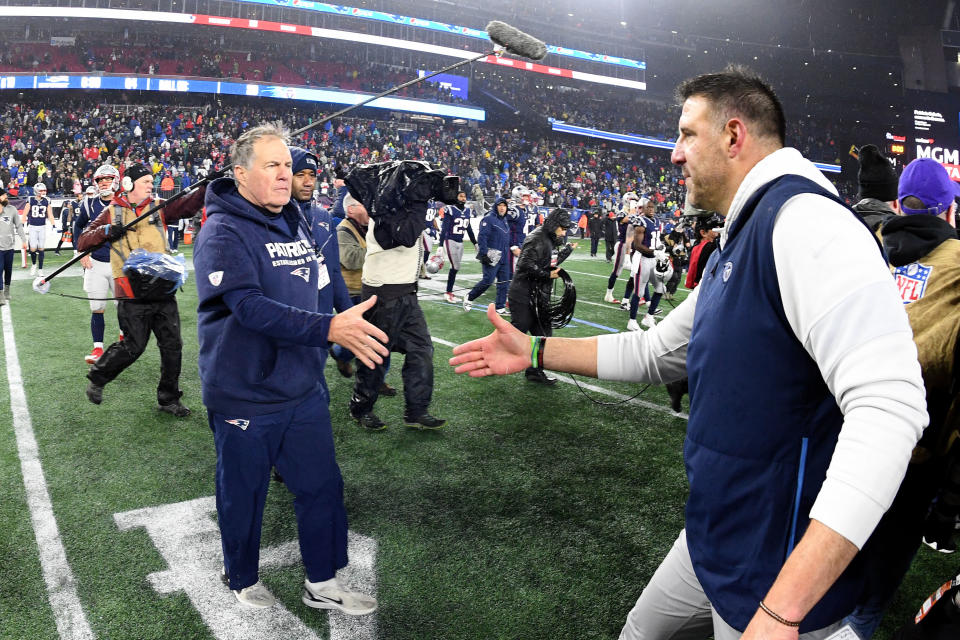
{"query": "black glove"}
{"type": "Point", "coordinates": [114, 233]}
{"type": "Point", "coordinates": [485, 259]}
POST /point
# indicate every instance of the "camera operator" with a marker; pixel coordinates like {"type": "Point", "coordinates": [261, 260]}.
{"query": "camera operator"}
{"type": "Point", "coordinates": [529, 294]}
{"type": "Point", "coordinates": [391, 274]}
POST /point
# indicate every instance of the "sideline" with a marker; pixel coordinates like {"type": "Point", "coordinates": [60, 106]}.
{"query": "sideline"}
{"type": "Point", "coordinates": [61, 586]}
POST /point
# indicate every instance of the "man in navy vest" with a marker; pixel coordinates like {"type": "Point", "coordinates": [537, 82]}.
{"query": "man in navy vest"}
{"type": "Point", "coordinates": [793, 453]}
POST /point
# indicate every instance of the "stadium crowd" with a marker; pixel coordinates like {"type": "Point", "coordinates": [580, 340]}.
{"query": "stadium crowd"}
{"type": "Point", "coordinates": [61, 140]}
{"type": "Point", "coordinates": [256, 58]}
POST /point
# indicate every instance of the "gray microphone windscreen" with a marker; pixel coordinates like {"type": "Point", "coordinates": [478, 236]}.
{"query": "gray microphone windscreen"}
{"type": "Point", "coordinates": [515, 41]}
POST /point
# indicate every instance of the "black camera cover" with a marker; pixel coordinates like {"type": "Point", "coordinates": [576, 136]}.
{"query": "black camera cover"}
{"type": "Point", "coordinates": [395, 194]}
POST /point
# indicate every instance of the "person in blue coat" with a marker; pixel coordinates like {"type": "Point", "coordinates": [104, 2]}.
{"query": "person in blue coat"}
{"type": "Point", "coordinates": [493, 244]}
{"type": "Point", "coordinates": [333, 290]}
{"type": "Point", "coordinates": [263, 339]}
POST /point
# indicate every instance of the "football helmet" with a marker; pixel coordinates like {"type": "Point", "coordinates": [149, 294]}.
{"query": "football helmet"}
{"type": "Point", "coordinates": [107, 171]}
{"type": "Point", "coordinates": [434, 264]}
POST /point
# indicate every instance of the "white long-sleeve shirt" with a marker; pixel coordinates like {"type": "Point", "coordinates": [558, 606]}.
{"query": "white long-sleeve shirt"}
{"type": "Point", "coordinates": [844, 308]}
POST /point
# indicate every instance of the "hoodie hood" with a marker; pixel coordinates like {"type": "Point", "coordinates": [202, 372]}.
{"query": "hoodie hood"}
{"type": "Point", "coordinates": [875, 213]}
{"type": "Point", "coordinates": [558, 218]}
{"type": "Point", "coordinates": [499, 199]}
{"type": "Point", "coordinates": [223, 198]}
{"type": "Point", "coordinates": [907, 239]}
{"type": "Point", "coordinates": [785, 161]}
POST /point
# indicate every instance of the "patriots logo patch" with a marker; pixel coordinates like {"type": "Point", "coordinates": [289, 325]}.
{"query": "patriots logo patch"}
{"type": "Point", "coordinates": [239, 422]}
{"type": "Point", "coordinates": [912, 280]}
{"type": "Point", "coordinates": [215, 278]}
{"type": "Point", "coordinates": [302, 272]}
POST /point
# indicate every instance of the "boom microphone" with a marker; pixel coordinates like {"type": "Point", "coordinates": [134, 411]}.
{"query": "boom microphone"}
{"type": "Point", "coordinates": [515, 41]}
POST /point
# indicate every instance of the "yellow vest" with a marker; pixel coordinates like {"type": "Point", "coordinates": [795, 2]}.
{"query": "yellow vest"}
{"type": "Point", "coordinates": [935, 320]}
{"type": "Point", "coordinates": [935, 317]}
{"type": "Point", "coordinates": [147, 235]}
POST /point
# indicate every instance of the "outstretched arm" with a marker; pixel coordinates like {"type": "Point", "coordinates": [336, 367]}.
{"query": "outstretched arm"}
{"type": "Point", "coordinates": [507, 350]}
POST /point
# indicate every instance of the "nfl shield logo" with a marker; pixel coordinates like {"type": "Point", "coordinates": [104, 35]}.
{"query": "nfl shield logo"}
{"type": "Point", "coordinates": [215, 278]}
{"type": "Point", "coordinates": [912, 281]}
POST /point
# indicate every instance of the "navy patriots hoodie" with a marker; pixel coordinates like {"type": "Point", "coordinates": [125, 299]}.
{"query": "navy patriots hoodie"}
{"type": "Point", "coordinates": [263, 344]}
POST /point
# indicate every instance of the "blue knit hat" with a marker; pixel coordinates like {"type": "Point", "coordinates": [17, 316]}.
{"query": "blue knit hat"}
{"type": "Point", "coordinates": [303, 159]}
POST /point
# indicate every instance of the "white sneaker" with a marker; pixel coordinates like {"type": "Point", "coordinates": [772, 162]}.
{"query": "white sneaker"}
{"type": "Point", "coordinates": [467, 305]}
{"type": "Point", "coordinates": [40, 273]}
{"type": "Point", "coordinates": [33, 270]}
{"type": "Point", "coordinates": [256, 596]}
{"type": "Point", "coordinates": [625, 305]}
{"type": "Point", "coordinates": [502, 311]}
{"type": "Point", "coordinates": [609, 297]}
{"type": "Point", "coordinates": [449, 297]}
{"type": "Point", "coordinates": [648, 321]}
{"type": "Point", "coordinates": [632, 325]}
{"type": "Point", "coordinates": [323, 595]}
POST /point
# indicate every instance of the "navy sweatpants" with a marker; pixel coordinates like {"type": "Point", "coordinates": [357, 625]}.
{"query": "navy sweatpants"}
{"type": "Point", "coordinates": [299, 443]}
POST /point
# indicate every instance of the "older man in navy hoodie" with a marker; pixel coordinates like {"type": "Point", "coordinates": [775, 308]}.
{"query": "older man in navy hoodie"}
{"type": "Point", "coordinates": [263, 343]}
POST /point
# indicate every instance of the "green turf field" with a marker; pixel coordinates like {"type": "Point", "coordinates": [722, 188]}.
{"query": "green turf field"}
{"type": "Point", "coordinates": [535, 513]}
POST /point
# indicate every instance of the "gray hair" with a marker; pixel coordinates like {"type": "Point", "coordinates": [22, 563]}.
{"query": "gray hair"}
{"type": "Point", "coordinates": [241, 153]}
{"type": "Point", "coordinates": [349, 201]}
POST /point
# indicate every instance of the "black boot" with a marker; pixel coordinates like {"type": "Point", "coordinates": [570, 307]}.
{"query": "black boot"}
{"type": "Point", "coordinates": [534, 374]}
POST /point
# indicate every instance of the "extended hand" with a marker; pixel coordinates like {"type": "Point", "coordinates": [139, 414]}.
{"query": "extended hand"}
{"type": "Point", "coordinates": [504, 351]}
{"type": "Point", "coordinates": [86, 262]}
{"type": "Point", "coordinates": [366, 341]}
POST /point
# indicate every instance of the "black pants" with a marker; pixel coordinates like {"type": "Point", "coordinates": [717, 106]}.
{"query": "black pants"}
{"type": "Point", "coordinates": [526, 317]}
{"type": "Point", "coordinates": [6, 264]}
{"type": "Point", "coordinates": [402, 320]}
{"type": "Point", "coordinates": [137, 320]}
{"type": "Point", "coordinates": [608, 245]}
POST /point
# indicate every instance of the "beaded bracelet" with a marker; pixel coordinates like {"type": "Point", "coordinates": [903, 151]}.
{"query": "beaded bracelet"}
{"type": "Point", "coordinates": [777, 617]}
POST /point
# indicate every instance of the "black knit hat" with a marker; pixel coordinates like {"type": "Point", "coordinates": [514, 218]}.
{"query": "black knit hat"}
{"type": "Point", "coordinates": [135, 172]}
{"type": "Point", "coordinates": [877, 177]}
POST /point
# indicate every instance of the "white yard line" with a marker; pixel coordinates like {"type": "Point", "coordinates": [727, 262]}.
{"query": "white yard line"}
{"type": "Point", "coordinates": [61, 586]}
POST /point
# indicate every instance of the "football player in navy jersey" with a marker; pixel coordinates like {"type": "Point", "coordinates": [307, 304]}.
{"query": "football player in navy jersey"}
{"type": "Point", "coordinates": [97, 274]}
{"type": "Point", "coordinates": [621, 253]}
{"type": "Point", "coordinates": [456, 222]}
{"type": "Point", "coordinates": [646, 236]}
{"type": "Point", "coordinates": [67, 210]}
{"type": "Point", "coordinates": [429, 236]}
{"type": "Point", "coordinates": [37, 212]}
{"type": "Point", "coordinates": [517, 223]}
